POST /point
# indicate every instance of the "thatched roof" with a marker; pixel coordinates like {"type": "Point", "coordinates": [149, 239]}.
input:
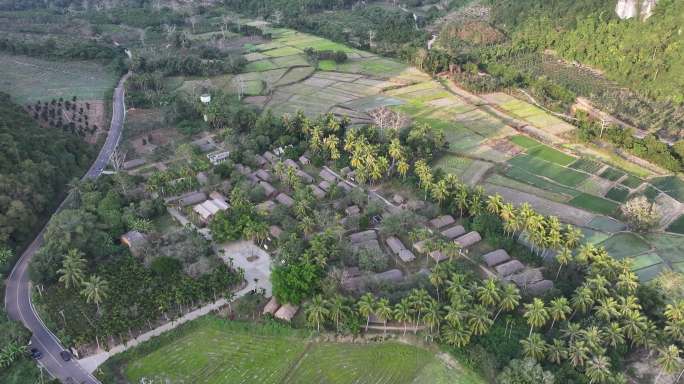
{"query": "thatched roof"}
{"type": "Point", "coordinates": [285, 200]}
{"type": "Point", "coordinates": [192, 199]}
{"type": "Point", "coordinates": [286, 312]}
{"type": "Point", "coordinates": [344, 186]}
{"type": "Point", "coordinates": [269, 190]}
{"type": "Point", "coordinates": [270, 157]}
{"type": "Point", "coordinates": [324, 185]}
{"type": "Point", "coordinates": [327, 175]}
{"type": "Point", "coordinates": [509, 268]}
{"type": "Point", "coordinates": [243, 169]}
{"type": "Point", "coordinates": [308, 179]}
{"type": "Point", "coordinates": [441, 221]}
{"type": "Point", "coordinates": [371, 244]}
{"type": "Point", "coordinates": [291, 163]}
{"type": "Point", "coordinates": [304, 160]}
{"type": "Point", "coordinates": [395, 244]}
{"type": "Point", "coordinates": [469, 239]}
{"type": "Point", "coordinates": [453, 232]}
{"type": "Point", "coordinates": [275, 231]}
{"type": "Point", "coordinates": [133, 239]}
{"type": "Point", "coordinates": [539, 288]}
{"type": "Point", "coordinates": [260, 160]}
{"type": "Point", "coordinates": [317, 192]}
{"type": "Point", "coordinates": [352, 210]}
{"type": "Point", "coordinates": [406, 256]}
{"type": "Point", "coordinates": [263, 175]}
{"type": "Point", "coordinates": [217, 196]}
{"type": "Point", "coordinates": [525, 278]}
{"type": "Point", "coordinates": [438, 256]}
{"type": "Point", "coordinates": [394, 275]}
{"type": "Point", "coordinates": [271, 307]}
{"type": "Point", "coordinates": [495, 258]}
{"type": "Point", "coordinates": [363, 236]}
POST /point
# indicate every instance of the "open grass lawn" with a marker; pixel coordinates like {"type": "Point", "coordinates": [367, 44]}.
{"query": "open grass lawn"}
{"type": "Point", "coordinates": [587, 165]}
{"type": "Point", "coordinates": [29, 79]}
{"type": "Point", "coordinates": [677, 226]}
{"type": "Point", "coordinates": [594, 204]}
{"type": "Point", "coordinates": [672, 185]}
{"type": "Point", "coordinates": [553, 171]}
{"type": "Point", "coordinates": [214, 350]}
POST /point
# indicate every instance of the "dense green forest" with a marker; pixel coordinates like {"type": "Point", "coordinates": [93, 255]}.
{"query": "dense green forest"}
{"type": "Point", "coordinates": [36, 164]}
{"type": "Point", "coordinates": [646, 56]}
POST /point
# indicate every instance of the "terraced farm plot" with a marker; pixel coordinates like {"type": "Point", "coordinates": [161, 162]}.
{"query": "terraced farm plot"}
{"type": "Point", "coordinates": [672, 185]}
{"type": "Point", "coordinates": [504, 181]}
{"type": "Point", "coordinates": [520, 174]}
{"type": "Point", "coordinates": [549, 154]}
{"type": "Point", "coordinates": [612, 174]}
{"type": "Point", "coordinates": [29, 79]}
{"type": "Point", "coordinates": [524, 141]}
{"type": "Point", "coordinates": [594, 204]}
{"type": "Point", "coordinates": [618, 194]}
{"type": "Point", "coordinates": [677, 226]}
{"type": "Point", "coordinates": [565, 176]}
{"type": "Point", "coordinates": [284, 51]}
{"type": "Point", "coordinates": [536, 116]}
{"type": "Point", "coordinates": [624, 245]}
{"type": "Point", "coordinates": [587, 165]}
{"type": "Point", "coordinates": [632, 181]}
{"type": "Point", "coordinates": [646, 260]}
{"type": "Point", "coordinates": [214, 350]}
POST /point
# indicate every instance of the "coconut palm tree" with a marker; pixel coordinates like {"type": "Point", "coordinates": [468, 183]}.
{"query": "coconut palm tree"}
{"type": "Point", "coordinates": [613, 335]}
{"type": "Point", "coordinates": [572, 332]}
{"type": "Point", "coordinates": [366, 306]}
{"type": "Point", "coordinates": [534, 346]}
{"type": "Point", "coordinates": [439, 191]}
{"type": "Point", "coordinates": [582, 299]}
{"type": "Point", "coordinates": [437, 278]}
{"type": "Point", "coordinates": [383, 310]}
{"type": "Point", "coordinates": [536, 314]}
{"type": "Point", "coordinates": [456, 335]}
{"type": "Point", "coordinates": [338, 309]}
{"type": "Point", "coordinates": [495, 204]}
{"type": "Point", "coordinates": [572, 237]}
{"type": "Point", "coordinates": [432, 316]}
{"type": "Point", "coordinates": [668, 360]}
{"type": "Point", "coordinates": [627, 283]}
{"type": "Point", "coordinates": [72, 269]}
{"type": "Point", "coordinates": [607, 309]}
{"type": "Point", "coordinates": [403, 312]}
{"type": "Point", "coordinates": [578, 353]}
{"type": "Point", "coordinates": [488, 293]}
{"type": "Point", "coordinates": [317, 311]}
{"type": "Point", "coordinates": [479, 321]}
{"type": "Point", "coordinates": [462, 198]}
{"type": "Point", "coordinates": [559, 308]}
{"type": "Point", "coordinates": [95, 290]}
{"type": "Point", "coordinates": [564, 257]}
{"type": "Point", "coordinates": [557, 352]}
{"type": "Point", "coordinates": [418, 298]}
{"type": "Point", "coordinates": [510, 298]}
{"type": "Point", "coordinates": [598, 369]}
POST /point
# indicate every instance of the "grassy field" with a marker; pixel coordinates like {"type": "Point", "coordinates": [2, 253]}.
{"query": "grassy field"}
{"type": "Point", "coordinates": [214, 350]}
{"type": "Point", "coordinates": [29, 79]}
{"type": "Point", "coordinates": [672, 185]}
{"type": "Point", "coordinates": [594, 204]}
{"type": "Point", "coordinates": [553, 171]}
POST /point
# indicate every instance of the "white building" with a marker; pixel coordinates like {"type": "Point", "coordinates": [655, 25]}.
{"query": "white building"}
{"type": "Point", "coordinates": [218, 157]}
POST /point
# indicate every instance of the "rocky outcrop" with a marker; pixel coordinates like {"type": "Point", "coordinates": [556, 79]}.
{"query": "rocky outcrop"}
{"type": "Point", "coordinates": [627, 9]}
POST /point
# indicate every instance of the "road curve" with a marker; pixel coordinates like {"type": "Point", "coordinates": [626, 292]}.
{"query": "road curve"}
{"type": "Point", "coordinates": [18, 286]}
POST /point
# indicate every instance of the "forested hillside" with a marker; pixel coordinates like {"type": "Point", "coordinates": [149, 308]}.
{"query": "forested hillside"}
{"type": "Point", "coordinates": [36, 164]}
{"type": "Point", "coordinates": [647, 56]}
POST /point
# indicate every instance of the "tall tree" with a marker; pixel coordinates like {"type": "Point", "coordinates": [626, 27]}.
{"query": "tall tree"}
{"type": "Point", "coordinates": [95, 289]}
{"type": "Point", "coordinates": [73, 268]}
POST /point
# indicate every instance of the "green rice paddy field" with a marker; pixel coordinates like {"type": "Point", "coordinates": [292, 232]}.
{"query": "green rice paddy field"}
{"type": "Point", "coordinates": [214, 350]}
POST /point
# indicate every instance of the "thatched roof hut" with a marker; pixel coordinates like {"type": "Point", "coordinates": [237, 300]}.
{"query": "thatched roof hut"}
{"type": "Point", "coordinates": [453, 232]}
{"type": "Point", "coordinates": [304, 160]}
{"type": "Point", "coordinates": [260, 160]}
{"type": "Point", "coordinates": [509, 268]}
{"type": "Point", "coordinates": [438, 256]}
{"type": "Point", "coordinates": [527, 277]}
{"type": "Point", "coordinates": [346, 187]}
{"type": "Point", "coordinates": [420, 246]}
{"type": "Point", "coordinates": [327, 175]}
{"type": "Point", "coordinates": [271, 307]}
{"type": "Point", "coordinates": [192, 199]}
{"type": "Point", "coordinates": [286, 312]}
{"type": "Point", "coordinates": [317, 192]}
{"type": "Point", "coordinates": [392, 275]}
{"type": "Point", "coordinates": [371, 245]}
{"type": "Point", "coordinates": [285, 200]}
{"type": "Point", "coordinates": [352, 210]}
{"type": "Point", "coordinates": [324, 185]}
{"type": "Point", "coordinates": [395, 244]}
{"type": "Point", "coordinates": [270, 157]}
{"type": "Point", "coordinates": [539, 288]}
{"type": "Point", "coordinates": [305, 177]}
{"type": "Point", "coordinates": [495, 258]}
{"type": "Point", "coordinates": [469, 239]}
{"type": "Point", "coordinates": [406, 256]}
{"type": "Point", "coordinates": [263, 175]}
{"type": "Point", "coordinates": [135, 241]}
{"type": "Point", "coordinates": [291, 163]}
{"type": "Point", "coordinates": [441, 221]}
{"type": "Point", "coordinates": [269, 190]}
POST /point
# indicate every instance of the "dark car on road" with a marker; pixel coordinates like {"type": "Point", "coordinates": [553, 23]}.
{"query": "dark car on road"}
{"type": "Point", "coordinates": [65, 355]}
{"type": "Point", "coordinates": [36, 354]}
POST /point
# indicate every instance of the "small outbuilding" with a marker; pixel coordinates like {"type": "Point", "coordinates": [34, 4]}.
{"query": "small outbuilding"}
{"type": "Point", "coordinates": [270, 157]}
{"type": "Point", "coordinates": [509, 268]}
{"type": "Point", "coordinates": [305, 177]}
{"type": "Point", "coordinates": [291, 163]}
{"type": "Point", "coordinates": [317, 192]}
{"type": "Point", "coordinates": [420, 246]}
{"type": "Point", "coordinates": [438, 256]}
{"type": "Point", "coordinates": [539, 288]}
{"type": "Point", "coordinates": [352, 210]}
{"type": "Point", "coordinates": [494, 258]}
{"type": "Point", "coordinates": [192, 199]}
{"type": "Point", "coordinates": [442, 221]}
{"type": "Point", "coordinates": [327, 175]}
{"type": "Point", "coordinates": [469, 239]}
{"type": "Point", "coordinates": [285, 200]}
{"type": "Point", "coordinates": [286, 312]}
{"type": "Point", "coordinates": [303, 160]}
{"type": "Point", "coordinates": [453, 232]}
{"type": "Point", "coordinates": [269, 190]}
{"type": "Point", "coordinates": [135, 241]}
{"type": "Point", "coordinates": [271, 307]}
{"type": "Point", "coordinates": [363, 236]}
{"type": "Point", "coordinates": [263, 175]}
{"type": "Point", "coordinates": [260, 160]}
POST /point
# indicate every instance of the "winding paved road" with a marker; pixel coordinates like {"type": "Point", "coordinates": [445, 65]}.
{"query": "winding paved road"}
{"type": "Point", "coordinates": [18, 290]}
